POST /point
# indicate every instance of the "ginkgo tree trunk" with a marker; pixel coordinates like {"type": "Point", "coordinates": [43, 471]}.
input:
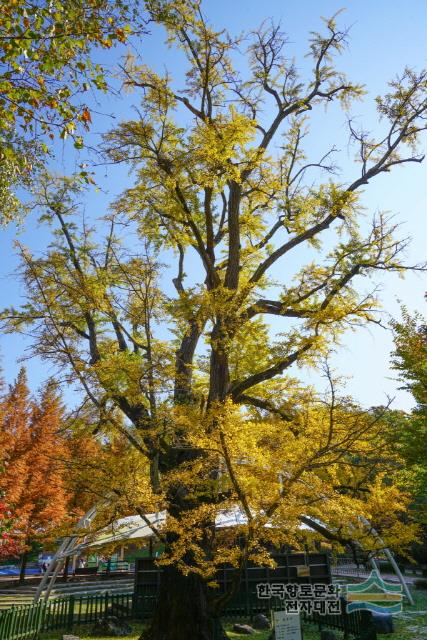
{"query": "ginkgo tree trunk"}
{"type": "Point", "coordinates": [195, 380]}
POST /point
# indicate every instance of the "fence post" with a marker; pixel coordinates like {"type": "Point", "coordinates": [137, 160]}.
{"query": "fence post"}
{"type": "Point", "coordinates": [3, 617]}
{"type": "Point", "coordinates": [6, 625]}
{"type": "Point", "coordinates": [70, 616]}
{"type": "Point", "coordinates": [133, 604]}
{"type": "Point", "coordinates": [248, 604]}
{"type": "Point", "coordinates": [9, 620]}
{"type": "Point", "coordinates": [346, 622]}
{"type": "Point", "coordinates": [106, 604]}
{"type": "Point", "coordinates": [40, 616]}
{"type": "Point", "coordinates": [13, 620]}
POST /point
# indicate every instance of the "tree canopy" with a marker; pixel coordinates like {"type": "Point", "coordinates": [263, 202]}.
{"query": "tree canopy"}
{"type": "Point", "coordinates": [52, 467]}
{"type": "Point", "coordinates": [46, 69]}
{"type": "Point", "coordinates": [192, 377]}
{"type": "Point", "coordinates": [32, 458]}
{"type": "Point", "coordinates": [410, 430]}
{"type": "Point", "coordinates": [410, 356]}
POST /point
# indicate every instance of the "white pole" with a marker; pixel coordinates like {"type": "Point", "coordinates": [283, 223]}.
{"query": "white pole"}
{"type": "Point", "coordinates": [390, 558]}
{"type": "Point", "coordinates": [51, 568]}
{"type": "Point", "coordinates": [67, 544]}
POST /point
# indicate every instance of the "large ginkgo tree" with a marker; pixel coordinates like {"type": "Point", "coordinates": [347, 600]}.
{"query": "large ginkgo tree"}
{"type": "Point", "coordinates": [224, 205]}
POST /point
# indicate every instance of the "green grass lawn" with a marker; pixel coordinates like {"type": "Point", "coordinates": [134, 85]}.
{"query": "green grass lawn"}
{"type": "Point", "coordinates": [411, 624]}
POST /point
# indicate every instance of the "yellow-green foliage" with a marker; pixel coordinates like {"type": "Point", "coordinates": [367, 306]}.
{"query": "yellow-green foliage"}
{"type": "Point", "coordinates": [226, 206]}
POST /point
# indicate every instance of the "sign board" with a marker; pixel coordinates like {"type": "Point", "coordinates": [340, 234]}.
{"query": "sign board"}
{"type": "Point", "coordinates": [287, 626]}
{"type": "Point", "coordinates": [303, 571]}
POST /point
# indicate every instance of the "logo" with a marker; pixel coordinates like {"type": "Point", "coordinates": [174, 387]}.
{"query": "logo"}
{"type": "Point", "coordinates": [374, 595]}
{"type": "Point", "coordinates": [323, 599]}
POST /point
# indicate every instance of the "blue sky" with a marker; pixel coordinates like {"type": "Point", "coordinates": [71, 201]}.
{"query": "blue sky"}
{"type": "Point", "coordinates": [384, 37]}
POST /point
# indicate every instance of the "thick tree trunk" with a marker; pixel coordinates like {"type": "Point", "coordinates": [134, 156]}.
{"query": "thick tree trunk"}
{"type": "Point", "coordinates": [183, 610]}
{"type": "Point", "coordinates": [23, 566]}
{"type": "Point", "coordinates": [219, 368]}
{"type": "Point", "coordinates": [183, 366]}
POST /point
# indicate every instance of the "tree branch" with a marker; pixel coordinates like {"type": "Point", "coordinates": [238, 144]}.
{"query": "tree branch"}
{"type": "Point", "coordinates": [239, 386]}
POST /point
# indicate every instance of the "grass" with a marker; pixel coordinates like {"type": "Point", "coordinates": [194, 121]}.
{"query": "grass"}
{"type": "Point", "coordinates": [259, 635]}
{"type": "Point", "coordinates": [310, 633]}
{"type": "Point", "coordinates": [411, 624]}
{"type": "Point", "coordinates": [83, 633]}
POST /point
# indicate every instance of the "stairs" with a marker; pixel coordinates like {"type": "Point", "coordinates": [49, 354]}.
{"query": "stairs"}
{"type": "Point", "coordinates": [24, 594]}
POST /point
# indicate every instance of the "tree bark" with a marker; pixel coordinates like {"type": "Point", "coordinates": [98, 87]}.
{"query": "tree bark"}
{"type": "Point", "coordinates": [183, 365]}
{"type": "Point", "coordinates": [23, 566]}
{"type": "Point", "coordinates": [219, 369]}
{"type": "Point", "coordinates": [183, 610]}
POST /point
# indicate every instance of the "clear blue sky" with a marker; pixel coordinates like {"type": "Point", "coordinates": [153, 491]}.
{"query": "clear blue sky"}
{"type": "Point", "coordinates": [384, 37]}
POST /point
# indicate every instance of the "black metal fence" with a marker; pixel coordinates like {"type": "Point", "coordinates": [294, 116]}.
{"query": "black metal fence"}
{"type": "Point", "coordinates": [346, 566]}
{"type": "Point", "coordinates": [245, 605]}
{"type": "Point", "coordinates": [298, 568]}
{"type": "Point", "coordinates": [290, 568]}
{"type": "Point", "coordinates": [357, 623]}
{"type": "Point", "coordinates": [26, 622]}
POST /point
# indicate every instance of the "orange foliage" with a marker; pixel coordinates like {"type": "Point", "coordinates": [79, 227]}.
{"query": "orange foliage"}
{"type": "Point", "coordinates": [34, 451]}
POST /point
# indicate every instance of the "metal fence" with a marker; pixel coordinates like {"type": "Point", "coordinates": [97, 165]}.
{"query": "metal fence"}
{"type": "Point", "coordinates": [357, 624]}
{"type": "Point", "coordinates": [346, 566]}
{"type": "Point", "coordinates": [245, 605]}
{"type": "Point", "coordinates": [245, 601]}
{"type": "Point", "coordinates": [26, 622]}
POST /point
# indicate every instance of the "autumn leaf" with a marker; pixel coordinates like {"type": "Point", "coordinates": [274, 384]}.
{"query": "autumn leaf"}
{"type": "Point", "coordinates": [86, 117]}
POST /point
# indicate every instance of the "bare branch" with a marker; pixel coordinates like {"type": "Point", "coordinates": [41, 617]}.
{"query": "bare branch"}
{"type": "Point", "coordinates": [240, 386]}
